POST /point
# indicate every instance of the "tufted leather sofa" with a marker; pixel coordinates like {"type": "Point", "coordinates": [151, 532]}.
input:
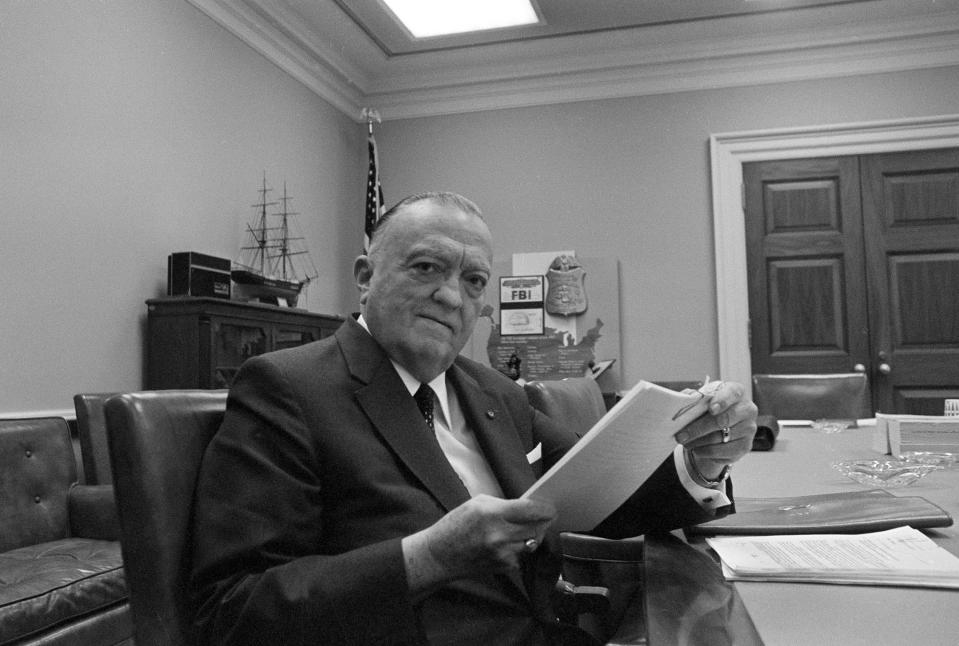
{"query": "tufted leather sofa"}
{"type": "Point", "coordinates": [61, 573]}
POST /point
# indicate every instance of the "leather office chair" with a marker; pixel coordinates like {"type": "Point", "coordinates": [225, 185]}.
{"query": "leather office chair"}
{"type": "Point", "coordinates": [813, 396]}
{"type": "Point", "coordinates": [594, 567]}
{"type": "Point", "coordinates": [659, 591]}
{"type": "Point", "coordinates": [92, 432]}
{"type": "Point", "coordinates": [606, 577]}
{"type": "Point", "coordinates": [157, 440]}
{"type": "Point", "coordinates": [576, 402]}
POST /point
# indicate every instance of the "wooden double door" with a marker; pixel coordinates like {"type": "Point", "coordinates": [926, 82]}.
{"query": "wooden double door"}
{"type": "Point", "coordinates": [854, 266]}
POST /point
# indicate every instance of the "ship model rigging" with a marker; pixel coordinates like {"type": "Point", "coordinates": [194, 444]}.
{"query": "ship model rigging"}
{"type": "Point", "coordinates": [274, 265]}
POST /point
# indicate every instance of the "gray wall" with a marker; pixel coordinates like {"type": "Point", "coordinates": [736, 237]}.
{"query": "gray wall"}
{"type": "Point", "coordinates": [129, 130]}
{"type": "Point", "coordinates": [631, 178]}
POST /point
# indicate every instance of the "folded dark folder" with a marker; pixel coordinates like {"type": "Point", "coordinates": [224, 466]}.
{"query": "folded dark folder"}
{"type": "Point", "coordinates": [831, 513]}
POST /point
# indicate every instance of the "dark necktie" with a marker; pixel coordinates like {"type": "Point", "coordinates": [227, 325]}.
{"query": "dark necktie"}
{"type": "Point", "coordinates": [424, 399]}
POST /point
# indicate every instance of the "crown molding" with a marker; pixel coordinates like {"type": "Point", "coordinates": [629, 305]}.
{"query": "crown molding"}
{"type": "Point", "coordinates": [321, 74]}
{"type": "Point", "coordinates": [645, 61]}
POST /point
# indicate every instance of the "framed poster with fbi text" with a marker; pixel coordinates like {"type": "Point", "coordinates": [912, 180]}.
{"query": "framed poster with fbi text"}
{"type": "Point", "coordinates": [521, 305]}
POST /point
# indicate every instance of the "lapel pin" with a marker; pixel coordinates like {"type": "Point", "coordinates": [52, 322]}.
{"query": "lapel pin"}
{"type": "Point", "coordinates": [490, 413]}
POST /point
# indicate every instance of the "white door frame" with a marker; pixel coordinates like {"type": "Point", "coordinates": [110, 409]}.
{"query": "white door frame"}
{"type": "Point", "coordinates": [728, 152]}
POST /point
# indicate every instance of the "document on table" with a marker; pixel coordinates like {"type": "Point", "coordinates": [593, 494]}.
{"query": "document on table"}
{"type": "Point", "coordinates": [618, 454]}
{"type": "Point", "coordinates": [903, 556]}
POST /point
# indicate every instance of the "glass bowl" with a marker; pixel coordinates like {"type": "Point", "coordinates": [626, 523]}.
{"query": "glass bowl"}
{"type": "Point", "coordinates": [942, 459]}
{"type": "Point", "coordinates": [885, 473]}
{"type": "Point", "coordinates": [833, 425]}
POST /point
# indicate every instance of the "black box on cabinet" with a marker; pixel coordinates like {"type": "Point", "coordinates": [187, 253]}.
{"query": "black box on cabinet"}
{"type": "Point", "coordinates": [195, 274]}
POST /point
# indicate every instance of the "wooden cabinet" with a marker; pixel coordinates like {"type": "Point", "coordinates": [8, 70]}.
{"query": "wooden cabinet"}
{"type": "Point", "coordinates": [197, 342]}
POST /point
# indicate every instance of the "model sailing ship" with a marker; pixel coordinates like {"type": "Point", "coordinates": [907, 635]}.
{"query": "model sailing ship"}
{"type": "Point", "coordinates": [274, 265]}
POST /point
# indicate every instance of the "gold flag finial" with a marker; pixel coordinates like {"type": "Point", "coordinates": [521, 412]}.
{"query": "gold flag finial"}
{"type": "Point", "coordinates": [370, 115]}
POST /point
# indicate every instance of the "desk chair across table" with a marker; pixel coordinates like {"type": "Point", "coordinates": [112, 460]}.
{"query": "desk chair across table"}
{"type": "Point", "coordinates": [813, 396]}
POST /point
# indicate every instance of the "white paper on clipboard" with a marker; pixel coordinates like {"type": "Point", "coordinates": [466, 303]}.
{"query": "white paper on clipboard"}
{"type": "Point", "coordinates": [618, 454]}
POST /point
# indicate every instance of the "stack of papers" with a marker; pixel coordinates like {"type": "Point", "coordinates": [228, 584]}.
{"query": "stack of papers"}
{"type": "Point", "coordinates": [899, 557]}
{"type": "Point", "coordinates": [618, 454]}
{"type": "Point", "coordinates": [932, 434]}
{"type": "Point", "coordinates": [898, 434]}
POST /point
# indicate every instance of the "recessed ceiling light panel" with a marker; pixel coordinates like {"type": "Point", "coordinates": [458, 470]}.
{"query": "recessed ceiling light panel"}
{"type": "Point", "coordinates": [427, 18]}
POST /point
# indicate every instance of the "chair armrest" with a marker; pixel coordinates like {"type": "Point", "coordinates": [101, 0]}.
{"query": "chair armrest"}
{"type": "Point", "coordinates": [570, 601]}
{"type": "Point", "coordinates": [93, 512]}
{"type": "Point", "coordinates": [616, 567]}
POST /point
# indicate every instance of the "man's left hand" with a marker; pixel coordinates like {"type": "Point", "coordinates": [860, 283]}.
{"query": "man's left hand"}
{"type": "Point", "coordinates": [723, 435]}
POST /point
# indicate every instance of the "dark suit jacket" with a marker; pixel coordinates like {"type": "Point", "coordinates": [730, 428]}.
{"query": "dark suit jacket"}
{"type": "Point", "coordinates": [322, 466]}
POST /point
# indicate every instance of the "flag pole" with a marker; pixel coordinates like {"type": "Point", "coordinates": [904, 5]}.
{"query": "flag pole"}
{"type": "Point", "coordinates": [374, 191]}
{"type": "Point", "coordinates": [371, 115]}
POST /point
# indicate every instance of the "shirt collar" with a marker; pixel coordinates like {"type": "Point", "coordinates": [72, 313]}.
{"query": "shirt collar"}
{"type": "Point", "coordinates": [413, 384]}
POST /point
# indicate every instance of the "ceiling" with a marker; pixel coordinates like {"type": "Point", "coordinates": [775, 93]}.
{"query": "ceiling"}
{"type": "Point", "coordinates": [354, 55]}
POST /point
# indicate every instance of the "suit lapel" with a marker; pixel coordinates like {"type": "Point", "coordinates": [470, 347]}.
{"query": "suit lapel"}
{"type": "Point", "coordinates": [395, 416]}
{"type": "Point", "coordinates": [495, 433]}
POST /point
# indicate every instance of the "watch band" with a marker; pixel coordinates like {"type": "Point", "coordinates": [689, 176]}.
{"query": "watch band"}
{"type": "Point", "coordinates": [699, 478]}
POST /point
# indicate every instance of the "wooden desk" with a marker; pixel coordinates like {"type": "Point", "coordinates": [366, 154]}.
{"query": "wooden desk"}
{"type": "Point", "coordinates": [788, 614]}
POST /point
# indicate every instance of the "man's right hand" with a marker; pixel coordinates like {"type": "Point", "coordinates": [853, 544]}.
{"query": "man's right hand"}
{"type": "Point", "coordinates": [483, 534]}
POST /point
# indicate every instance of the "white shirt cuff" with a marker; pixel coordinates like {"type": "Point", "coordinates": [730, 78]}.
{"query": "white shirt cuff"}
{"type": "Point", "coordinates": [707, 498]}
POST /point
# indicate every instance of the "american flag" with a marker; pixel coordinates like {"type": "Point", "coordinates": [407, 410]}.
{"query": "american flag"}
{"type": "Point", "coordinates": [374, 193]}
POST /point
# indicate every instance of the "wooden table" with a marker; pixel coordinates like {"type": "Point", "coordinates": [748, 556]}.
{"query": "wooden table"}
{"type": "Point", "coordinates": [791, 614]}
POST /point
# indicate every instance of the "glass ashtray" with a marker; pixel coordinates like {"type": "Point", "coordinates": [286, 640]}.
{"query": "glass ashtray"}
{"type": "Point", "coordinates": [942, 459]}
{"type": "Point", "coordinates": [884, 474]}
{"type": "Point", "coordinates": [833, 425]}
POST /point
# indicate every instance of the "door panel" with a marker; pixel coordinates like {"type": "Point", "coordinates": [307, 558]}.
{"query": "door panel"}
{"type": "Point", "coordinates": [806, 307]}
{"type": "Point", "coordinates": [912, 247]}
{"type": "Point", "coordinates": [804, 232]}
{"type": "Point", "coordinates": [855, 260]}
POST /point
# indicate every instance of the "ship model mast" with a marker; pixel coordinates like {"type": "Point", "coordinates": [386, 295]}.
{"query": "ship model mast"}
{"type": "Point", "coordinates": [274, 265]}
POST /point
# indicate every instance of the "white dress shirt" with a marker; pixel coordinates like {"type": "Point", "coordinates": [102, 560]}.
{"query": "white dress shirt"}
{"type": "Point", "coordinates": [455, 437]}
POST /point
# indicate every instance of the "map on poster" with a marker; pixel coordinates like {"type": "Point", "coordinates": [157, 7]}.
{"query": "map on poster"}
{"type": "Point", "coordinates": [555, 354]}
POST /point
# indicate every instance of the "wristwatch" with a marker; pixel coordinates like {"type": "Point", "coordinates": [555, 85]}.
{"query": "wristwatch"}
{"type": "Point", "coordinates": [699, 478]}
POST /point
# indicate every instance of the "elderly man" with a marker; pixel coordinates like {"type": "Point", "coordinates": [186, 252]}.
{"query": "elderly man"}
{"type": "Point", "coordinates": [364, 489]}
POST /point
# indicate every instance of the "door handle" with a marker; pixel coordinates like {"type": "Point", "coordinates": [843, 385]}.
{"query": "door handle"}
{"type": "Point", "coordinates": [884, 368]}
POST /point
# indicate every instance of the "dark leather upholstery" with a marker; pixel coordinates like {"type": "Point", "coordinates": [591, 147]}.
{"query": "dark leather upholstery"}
{"type": "Point", "coordinates": [813, 396]}
{"type": "Point", "coordinates": [616, 565]}
{"type": "Point", "coordinates": [36, 460]}
{"type": "Point", "coordinates": [92, 431]}
{"type": "Point", "coordinates": [157, 440]}
{"type": "Point", "coordinates": [589, 561]}
{"type": "Point", "coordinates": [576, 402]}
{"type": "Point", "coordinates": [61, 574]}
